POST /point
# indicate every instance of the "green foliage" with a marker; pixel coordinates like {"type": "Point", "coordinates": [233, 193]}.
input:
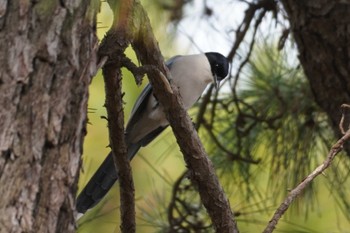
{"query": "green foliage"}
{"type": "Point", "coordinates": [290, 129]}
{"type": "Point", "coordinates": [271, 122]}
{"type": "Point", "coordinates": [264, 139]}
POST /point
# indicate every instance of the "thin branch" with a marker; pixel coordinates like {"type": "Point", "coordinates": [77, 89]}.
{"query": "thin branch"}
{"type": "Point", "coordinates": [266, 5]}
{"type": "Point", "coordinates": [231, 155]}
{"type": "Point", "coordinates": [246, 60]}
{"type": "Point", "coordinates": [336, 148]}
{"type": "Point", "coordinates": [172, 204]}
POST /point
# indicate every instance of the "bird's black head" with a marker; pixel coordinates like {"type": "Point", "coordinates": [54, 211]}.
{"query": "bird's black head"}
{"type": "Point", "coordinates": [219, 66]}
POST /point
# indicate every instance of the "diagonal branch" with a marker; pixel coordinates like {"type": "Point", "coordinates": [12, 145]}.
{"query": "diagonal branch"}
{"type": "Point", "coordinates": [202, 172]}
{"type": "Point", "coordinates": [336, 148]}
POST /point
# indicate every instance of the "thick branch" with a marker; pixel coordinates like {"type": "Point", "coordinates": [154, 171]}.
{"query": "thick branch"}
{"type": "Point", "coordinates": [202, 172]}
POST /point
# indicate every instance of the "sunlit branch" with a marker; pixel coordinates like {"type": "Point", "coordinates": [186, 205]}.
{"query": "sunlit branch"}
{"type": "Point", "coordinates": [336, 148]}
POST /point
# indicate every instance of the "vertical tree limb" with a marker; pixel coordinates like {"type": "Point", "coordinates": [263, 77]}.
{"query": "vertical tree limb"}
{"type": "Point", "coordinates": [113, 47]}
{"type": "Point", "coordinates": [114, 105]}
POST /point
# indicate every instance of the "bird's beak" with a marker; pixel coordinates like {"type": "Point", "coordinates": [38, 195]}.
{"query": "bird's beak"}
{"type": "Point", "coordinates": [216, 82]}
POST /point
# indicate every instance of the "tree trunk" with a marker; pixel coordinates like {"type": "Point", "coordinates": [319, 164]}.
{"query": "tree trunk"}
{"type": "Point", "coordinates": [321, 29]}
{"type": "Point", "coordinates": [47, 59]}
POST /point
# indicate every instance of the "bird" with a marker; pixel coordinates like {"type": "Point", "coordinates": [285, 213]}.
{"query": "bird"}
{"type": "Point", "coordinates": [191, 74]}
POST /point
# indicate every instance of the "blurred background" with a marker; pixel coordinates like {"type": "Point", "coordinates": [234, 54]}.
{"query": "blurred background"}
{"type": "Point", "coordinates": [265, 135]}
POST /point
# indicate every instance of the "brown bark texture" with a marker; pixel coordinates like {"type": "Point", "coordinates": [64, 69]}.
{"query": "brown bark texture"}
{"type": "Point", "coordinates": [201, 169]}
{"type": "Point", "coordinates": [113, 46]}
{"type": "Point", "coordinates": [47, 60]}
{"type": "Point", "coordinates": [321, 29]}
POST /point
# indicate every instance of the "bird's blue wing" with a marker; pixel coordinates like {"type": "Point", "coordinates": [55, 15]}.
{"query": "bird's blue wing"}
{"type": "Point", "coordinates": [171, 61]}
{"type": "Point", "coordinates": [139, 107]}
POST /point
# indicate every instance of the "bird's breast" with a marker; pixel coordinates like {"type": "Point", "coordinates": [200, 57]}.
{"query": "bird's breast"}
{"type": "Point", "coordinates": [191, 88]}
{"type": "Point", "coordinates": [191, 75]}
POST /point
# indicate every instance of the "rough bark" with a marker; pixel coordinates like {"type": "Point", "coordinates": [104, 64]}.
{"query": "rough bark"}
{"type": "Point", "coordinates": [113, 46]}
{"type": "Point", "coordinates": [47, 59]}
{"type": "Point", "coordinates": [201, 169]}
{"type": "Point", "coordinates": [321, 29]}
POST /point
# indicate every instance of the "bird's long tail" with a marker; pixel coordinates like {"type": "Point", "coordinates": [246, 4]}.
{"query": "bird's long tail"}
{"type": "Point", "coordinates": [101, 182]}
